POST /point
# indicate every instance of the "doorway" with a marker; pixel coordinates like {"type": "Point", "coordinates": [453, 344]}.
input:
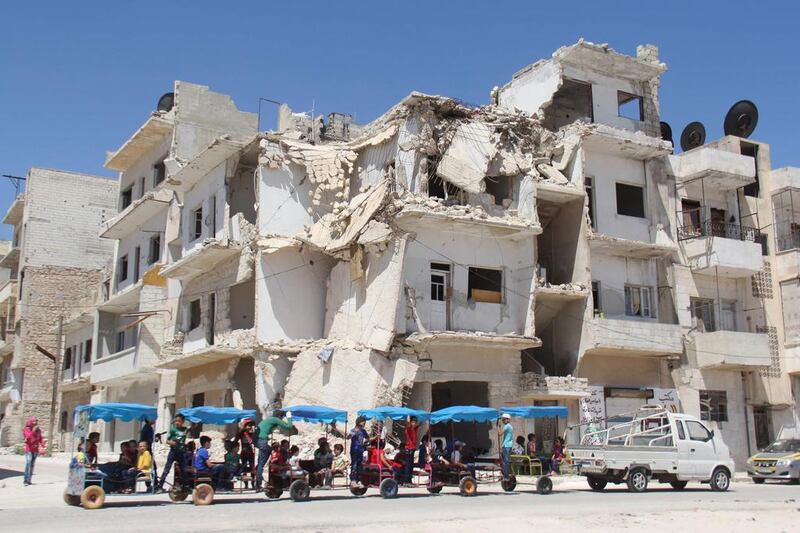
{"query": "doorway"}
{"type": "Point", "coordinates": [762, 427]}
{"type": "Point", "coordinates": [450, 393]}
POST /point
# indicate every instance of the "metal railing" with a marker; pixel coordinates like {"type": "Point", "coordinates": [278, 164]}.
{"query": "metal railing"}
{"type": "Point", "coordinates": [725, 230]}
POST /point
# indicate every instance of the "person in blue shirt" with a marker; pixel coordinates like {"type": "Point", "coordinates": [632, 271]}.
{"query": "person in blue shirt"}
{"type": "Point", "coordinates": [358, 441]}
{"type": "Point", "coordinates": [506, 438]}
{"type": "Point", "coordinates": [202, 465]}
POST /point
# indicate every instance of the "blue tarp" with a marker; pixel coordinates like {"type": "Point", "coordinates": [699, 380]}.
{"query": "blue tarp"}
{"type": "Point", "coordinates": [464, 413]}
{"type": "Point", "coordinates": [127, 412]}
{"type": "Point", "coordinates": [395, 413]}
{"type": "Point", "coordinates": [316, 414]}
{"type": "Point", "coordinates": [216, 415]}
{"type": "Point", "coordinates": [537, 411]}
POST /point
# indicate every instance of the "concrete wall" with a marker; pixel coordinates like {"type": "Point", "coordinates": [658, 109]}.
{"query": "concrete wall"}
{"type": "Point", "coordinates": [142, 168]}
{"type": "Point", "coordinates": [212, 185]}
{"type": "Point", "coordinates": [283, 200]}
{"type": "Point", "coordinates": [614, 272]}
{"type": "Point", "coordinates": [77, 340]}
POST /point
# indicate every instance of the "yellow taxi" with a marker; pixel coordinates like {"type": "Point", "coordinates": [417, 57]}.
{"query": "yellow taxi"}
{"type": "Point", "coordinates": [780, 460]}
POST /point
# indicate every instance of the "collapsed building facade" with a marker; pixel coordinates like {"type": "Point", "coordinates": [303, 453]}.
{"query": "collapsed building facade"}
{"type": "Point", "coordinates": [549, 247]}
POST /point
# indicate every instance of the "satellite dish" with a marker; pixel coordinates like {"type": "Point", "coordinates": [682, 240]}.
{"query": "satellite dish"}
{"type": "Point", "coordinates": [166, 102]}
{"type": "Point", "coordinates": [741, 119]}
{"type": "Point", "coordinates": [666, 132]}
{"type": "Point", "coordinates": [693, 135]}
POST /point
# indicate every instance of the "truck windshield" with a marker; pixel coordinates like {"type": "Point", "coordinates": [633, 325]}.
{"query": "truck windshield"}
{"type": "Point", "coordinates": [787, 445]}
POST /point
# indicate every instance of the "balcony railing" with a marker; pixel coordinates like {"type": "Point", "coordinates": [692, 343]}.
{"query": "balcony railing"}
{"type": "Point", "coordinates": [724, 230]}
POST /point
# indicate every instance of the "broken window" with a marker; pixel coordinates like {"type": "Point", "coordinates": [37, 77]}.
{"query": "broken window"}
{"type": "Point", "coordinates": [439, 188]}
{"type": "Point", "coordinates": [713, 407]}
{"type": "Point", "coordinates": [126, 198]}
{"type": "Point", "coordinates": [485, 285]}
{"type": "Point", "coordinates": [154, 253]}
{"type": "Point", "coordinates": [159, 173]}
{"type": "Point", "coordinates": [751, 150]}
{"type": "Point", "coordinates": [597, 308]}
{"type": "Point", "coordinates": [68, 358]}
{"type": "Point", "coordinates": [123, 268]}
{"type": "Point", "coordinates": [639, 301]}
{"type": "Point", "coordinates": [630, 106]}
{"type": "Point", "coordinates": [440, 272]}
{"type": "Point", "coordinates": [197, 224]}
{"type": "Point", "coordinates": [630, 200]}
{"type": "Point", "coordinates": [571, 103]}
{"type": "Point", "coordinates": [589, 186]}
{"type": "Point", "coordinates": [87, 351]}
{"type": "Point", "coordinates": [194, 314]}
{"type": "Point", "coordinates": [501, 188]}
{"type": "Point", "coordinates": [702, 310]}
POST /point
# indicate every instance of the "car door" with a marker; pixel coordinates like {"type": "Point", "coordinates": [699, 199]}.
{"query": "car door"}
{"type": "Point", "coordinates": [683, 444]}
{"type": "Point", "coordinates": [702, 454]}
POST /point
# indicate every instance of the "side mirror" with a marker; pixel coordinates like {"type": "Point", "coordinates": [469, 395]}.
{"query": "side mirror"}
{"type": "Point", "coordinates": [712, 435]}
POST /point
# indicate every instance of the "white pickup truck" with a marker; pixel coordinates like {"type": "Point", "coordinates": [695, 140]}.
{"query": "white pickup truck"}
{"type": "Point", "coordinates": [655, 444]}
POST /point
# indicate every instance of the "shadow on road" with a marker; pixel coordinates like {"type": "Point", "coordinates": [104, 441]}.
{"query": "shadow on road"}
{"type": "Point", "coordinates": [6, 473]}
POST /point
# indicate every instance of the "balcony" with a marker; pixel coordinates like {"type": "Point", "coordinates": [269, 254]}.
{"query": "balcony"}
{"type": "Point", "coordinates": [11, 259]}
{"type": "Point", "coordinates": [721, 170]}
{"type": "Point", "coordinates": [634, 338]}
{"type": "Point", "coordinates": [116, 367]}
{"type": "Point", "coordinates": [152, 132]}
{"type": "Point", "coordinates": [8, 294]}
{"type": "Point", "coordinates": [730, 350]}
{"type": "Point", "coordinates": [730, 250]}
{"type": "Point", "coordinates": [213, 155]}
{"type": "Point", "coordinates": [534, 387]}
{"type": "Point", "coordinates": [603, 138]}
{"type": "Point", "coordinates": [609, 245]}
{"type": "Point", "coordinates": [231, 345]}
{"type": "Point", "coordinates": [15, 211]}
{"type": "Point", "coordinates": [201, 259]}
{"type": "Point", "coordinates": [136, 215]}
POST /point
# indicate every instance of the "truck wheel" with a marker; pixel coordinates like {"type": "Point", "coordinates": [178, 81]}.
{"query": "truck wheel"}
{"type": "Point", "coordinates": [388, 488]}
{"type": "Point", "coordinates": [637, 479]}
{"type": "Point", "coordinates": [678, 485]}
{"type": "Point", "coordinates": [71, 499]}
{"type": "Point", "coordinates": [758, 480]}
{"type": "Point", "coordinates": [510, 484]}
{"type": "Point", "coordinates": [720, 480]}
{"type": "Point", "coordinates": [93, 497]}
{"type": "Point", "coordinates": [468, 486]}
{"type": "Point", "coordinates": [203, 494]}
{"type": "Point", "coordinates": [299, 490]}
{"type": "Point", "coordinates": [545, 485]}
{"type": "Point", "coordinates": [596, 483]}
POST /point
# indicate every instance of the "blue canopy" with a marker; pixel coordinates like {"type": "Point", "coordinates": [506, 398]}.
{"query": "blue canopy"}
{"type": "Point", "coordinates": [395, 413]}
{"type": "Point", "coordinates": [216, 415]}
{"type": "Point", "coordinates": [127, 412]}
{"type": "Point", "coordinates": [464, 413]}
{"type": "Point", "coordinates": [537, 411]}
{"type": "Point", "coordinates": [316, 414]}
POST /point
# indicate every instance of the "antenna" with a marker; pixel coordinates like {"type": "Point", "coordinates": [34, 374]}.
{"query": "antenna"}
{"type": "Point", "coordinates": [666, 132]}
{"type": "Point", "coordinates": [693, 135]}
{"type": "Point", "coordinates": [741, 119]}
{"type": "Point", "coordinates": [166, 102]}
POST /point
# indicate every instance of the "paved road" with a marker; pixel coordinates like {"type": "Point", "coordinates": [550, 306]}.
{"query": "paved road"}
{"type": "Point", "coordinates": [571, 507]}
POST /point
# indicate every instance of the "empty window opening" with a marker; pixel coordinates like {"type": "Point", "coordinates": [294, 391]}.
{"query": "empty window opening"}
{"type": "Point", "coordinates": [120, 340]}
{"type": "Point", "coordinates": [212, 311]}
{"type": "Point", "coordinates": [639, 301]}
{"type": "Point", "coordinates": [440, 274]}
{"type": "Point", "coordinates": [439, 188]}
{"type": "Point", "coordinates": [123, 268]}
{"type": "Point", "coordinates": [141, 186]}
{"type": "Point", "coordinates": [571, 103]}
{"type": "Point", "coordinates": [630, 200]}
{"type": "Point", "coordinates": [589, 186]}
{"type": "Point", "coordinates": [597, 306]}
{"type": "Point", "coordinates": [87, 351]}
{"type": "Point", "coordinates": [751, 150]}
{"type": "Point", "coordinates": [63, 423]}
{"type": "Point", "coordinates": [212, 206]}
{"type": "Point", "coordinates": [194, 314]}
{"type": "Point", "coordinates": [702, 310]}
{"type": "Point", "coordinates": [159, 173]}
{"type": "Point", "coordinates": [137, 261]}
{"type": "Point", "coordinates": [154, 252]}
{"type": "Point", "coordinates": [713, 407]}
{"type": "Point", "coordinates": [501, 188]}
{"type": "Point", "coordinates": [485, 285]}
{"type": "Point", "coordinates": [68, 358]}
{"type": "Point", "coordinates": [197, 223]}
{"type": "Point", "coordinates": [126, 198]}
{"type": "Point", "coordinates": [691, 213]}
{"type": "Point", "coordinates": [630, 106]}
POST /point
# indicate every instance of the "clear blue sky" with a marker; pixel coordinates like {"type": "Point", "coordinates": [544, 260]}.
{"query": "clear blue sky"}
{"type": "Point", "coordinates": [79, 77]}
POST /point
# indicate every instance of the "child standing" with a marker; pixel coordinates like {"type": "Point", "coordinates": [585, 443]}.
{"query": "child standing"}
{"type": "Point", "coordinates": [358, 438]}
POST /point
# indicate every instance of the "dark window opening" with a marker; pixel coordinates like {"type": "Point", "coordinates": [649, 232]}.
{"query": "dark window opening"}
{"type": "Point", "coordinates": [68, 358]}
{"type": "Point", "coordinates": [713, 406]}
{"type": "Point", "coordinates": [212, 311]}
{"type": "Point", "coordinates": [141, 186]}
{"type": "Point", "coordinates": [589, 186]}
{"type": "Point", "coordinates": [761, 239]}
{"type": "Point", "coordinates": [630, 200]}
{"type": "Point", "coordinates": [703, 313]}
{"type": "Point", "coordinates": [597, 308]}
{"type": "Point", "coordinates": [485, 285]}
{"type": "Point", "coordinates": [63, 423]}
{"type": "Point", "coordinates": [126, 198]}
{"type": "Point", "coordinates": [198, 400]}
{"type": "Point", "coordinates": [630, 106]}
{"type": "Point", "coordinates": [571, 103]}
{"type": "Point", "coordinates": [751, 150]}
{"type": "Point", "coordinates": [123, 268]}
{"type": "Point", "coordinates": [439, 188]}
{"type": "Point", "coordinates": [194, 314]}
{"type": "Point", "coordinates": [501, 188]}
{"type": "Point", "coordinates": [159, 173]}
{"type": "Point", "coordinates": [154, 253]}
{"type": "Point", "coordinates": [197, 223]}
{"type": "Point", "coordinates": [87, 351]}
{"type": "Point", "coordinates": [120, 340]}
{"type": "Point", "coordinates": [137, 261]}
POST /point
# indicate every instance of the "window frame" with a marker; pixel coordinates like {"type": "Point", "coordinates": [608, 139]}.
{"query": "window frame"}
{"type": "Point", "coordinates": [126, 197]}
{"type": "Point", "coordinates": [154, 252]}
{"type": "Point", "coordinates": [486, 298]}
{"type": "Point", "coordinates": [195, 223]}
{"type": "Point", "coordinates": [689, 425]}
{"type": "Point", "coordinates": [122, 275]}
{"type": "Point", "coordinates": [87, 351]}
{"type": "Point", "coordinates": [651, 301]}
{"type": "Point", "coordinates": [193, 323]}
{"type": "Point", "coordinates": [159, 173]}
{"type": "Point", "coordinates": [67, 358]}
{"type": "Point", "coordinates": [617, 191]}
{"type": "Point", "coordinates": [120, 340]}
{"type": "Point", "coordinates": [624, 98]}
{"type": "Point", "coordinates": [714, 408]}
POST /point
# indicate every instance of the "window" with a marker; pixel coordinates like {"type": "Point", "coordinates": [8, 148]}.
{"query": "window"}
{"type": "Point", "coordinates": [154, 253]}
{"type": "Point", "coordinates": [596, 298]}
{"type": "Point", "coordinates": [639, 301]}
{"type": "Point", "coordinates": [126, 198]}
{"type": "Point", "coordinates": [500, 187]}
{"type": "Point", "coordinates": [212, 207]}
{"type": "Point", "coordinates": [630, 200]}
{"type": "Point", "coordinates": [63, 423]}
{"type": "Point", "coordinates": [630, 106]}
{"type": "Point", "coordinates": [87, 352]}
{"type": "Point", "coordinates": [141, 186]}
{"type": "Point", "coordinates": [196, 224]}
{"type": "Point", "coordinates": [485, 285]}
{"type": "Point", "coordinates": [703, 314]}
{"type": "Point", "coordinates": [681, 432]}
{"type": "Point", "coordinates": [697, 431]}
{"type": "Point", "coordinates": [68, 358]}
{"type": "Point", "coordinates": [120, 340]}
{"type": "Point", "coordinates": [137, 261]}
{"type": "Point", "coordinates": [159, 173]}
{"type": "Point", "coordinates": [713, 406]}
{"type": "Point", "coordinates": [439, 281]}
{"type": "Point", "coordinates": [123, 268]}
{"type": "Point", "coordinates": [589, 186]}
{"type": "Point", "coordinates": [194, 314]}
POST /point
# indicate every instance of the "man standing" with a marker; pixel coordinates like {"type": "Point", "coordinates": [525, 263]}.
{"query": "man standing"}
{"type": "Point", "coordinates": [265, 428]}
{"type": "Point", "coordinates": [506, 439]}
{"type": "Point", "coordinates": [176, 439]}
{"type": "Point", "coordinates": [411, 431]}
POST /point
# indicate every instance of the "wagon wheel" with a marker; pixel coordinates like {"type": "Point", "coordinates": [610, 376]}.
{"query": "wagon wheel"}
{"type": "Point", "coordinates": [299, 490]}
{"type": "Point", "coordinates": [93, 497]}
{"type": "Point", "coordinates": [203, 494]}
{"type": "Point", "coordinates": [177, 495]}
{"type": "Point", "coordinates": [544, 485]}
{"type": "Point", "coordinates": [435, 489]}
{"type": "Point", "coordinates": [71, 499]}
{"type": "Point", "coordinates": [273, 493]}
{"type": "Point", "coordinates": [509, 484]}
{"type": "Point", "coordinates": [388, 488]}
{"type": "Point", "coordinates": [358, 491]}
{"type": "Point", "coordinates": [468, 486]}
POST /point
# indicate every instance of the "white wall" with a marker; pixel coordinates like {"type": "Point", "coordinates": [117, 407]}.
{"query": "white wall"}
{"type": "Point", "coordinates": [531, 90]}
{"type": "Point", "coordinates": [614, 272]}
{"type": "Point", "coordinates": [77, 341]}
{"type": "Point", "coordinates": [283, 200]}
{"type": "Point", "coordinates": [143, 168]}
{"type": "Point", "coordinates": [604, 97]}
{"type": "Point", "coordinates": [128, 244]}
{"type": "Point", "coordinates": [213, 184]}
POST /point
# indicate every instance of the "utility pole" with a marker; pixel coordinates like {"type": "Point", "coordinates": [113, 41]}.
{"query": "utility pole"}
{"type": "Point", "coordinates": [56, 378]}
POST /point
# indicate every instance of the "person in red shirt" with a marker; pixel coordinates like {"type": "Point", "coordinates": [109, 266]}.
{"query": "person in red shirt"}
{"type": "Point", "coordinates": [411, 431]}
{"type": "Point", "coordinates": [33, 442]}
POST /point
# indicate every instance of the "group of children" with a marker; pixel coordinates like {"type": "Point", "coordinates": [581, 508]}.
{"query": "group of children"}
{"type": "Point", "coordinates": [551, 462]}
{"type": "Point", "coordinates": [135, 461]}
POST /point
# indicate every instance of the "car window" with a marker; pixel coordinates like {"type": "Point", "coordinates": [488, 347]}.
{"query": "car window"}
{"type": "Point", "coordinates": [681, 432]}
{"type": "Point", "coordinates": [788, 445]}
{"type": "Point", "coordinates": [697, 431]}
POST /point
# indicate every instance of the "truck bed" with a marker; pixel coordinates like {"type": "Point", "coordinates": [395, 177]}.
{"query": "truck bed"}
{"type": "Point", "coordinates": [600, 459]}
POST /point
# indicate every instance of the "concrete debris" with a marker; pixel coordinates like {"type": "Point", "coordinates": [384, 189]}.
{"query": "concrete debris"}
{"type": "Point", "coordinates": [410, 203]}
{"type": "Point", "coordinates": [551, 173]}
{"type": "Point", "coordinates": [466, 161]}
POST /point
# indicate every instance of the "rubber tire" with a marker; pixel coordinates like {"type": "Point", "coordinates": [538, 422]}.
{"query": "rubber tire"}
{"type": "Point", "coordinates": [299, 491]}
{"type": "Point", "coordinates": [358, 491]}
{"type": "Point", "coordinates": [273, 493]}
{"type": "Point", "coordinates": [177, 495]}
{"type": "Point", "coordinates": [509, 485]}
{"type": "Point", "coordinates": [71, 499]}
{"type": "Point", "coordinates": [389, 488]}
{"type": "Point", "coordinates": [597, 484]}
{"type": "Point", "coordinates": [794, 481]}
{"type": "Point", "coordinates": [435, 490]}
{"type": "Point", "coordinates": [678, 485]}
{"type": "Point", "coordinates": [720, 480]}
{"type": "Point", "coordinates": [544, 485]}
{"type": "Point", "coordinates": [93, 497]}
{"type": "Point", "coordinates": [203, 494]}
{"type": "Point", "coordinates": [758, 480]}
{"type": "Point", "coordinates": [637, 480]}
{"type": "Point", "coordinates": [468, 486]}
